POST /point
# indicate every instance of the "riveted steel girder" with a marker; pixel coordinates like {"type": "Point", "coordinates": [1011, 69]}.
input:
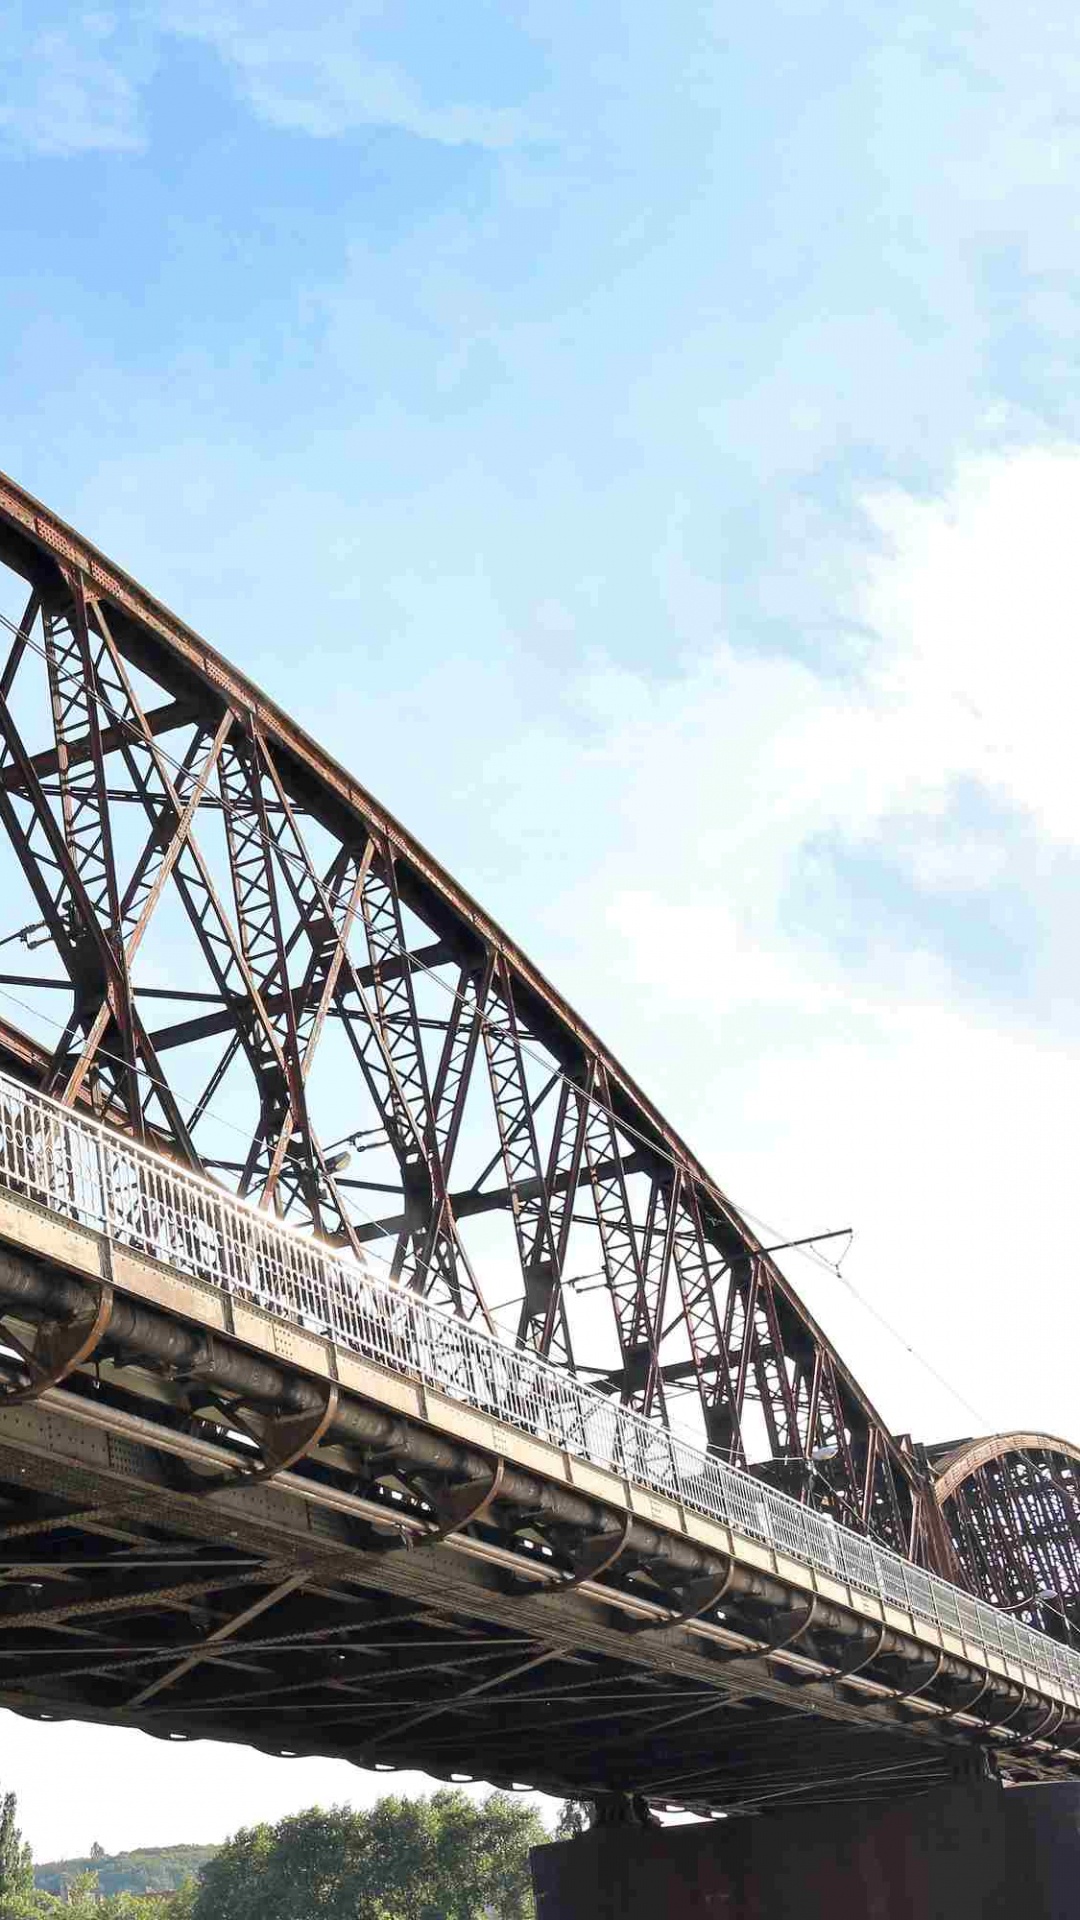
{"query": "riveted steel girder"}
{"type": "Point", "coordinates": [349, 1039]}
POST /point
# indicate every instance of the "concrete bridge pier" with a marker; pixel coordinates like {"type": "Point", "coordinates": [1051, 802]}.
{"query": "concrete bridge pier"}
{"type": "Point", "coordinates": [968, 1851]}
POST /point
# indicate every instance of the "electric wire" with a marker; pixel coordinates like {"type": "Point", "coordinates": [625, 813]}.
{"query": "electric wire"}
{"type": "Point", "coordinates": [558, 1073]}
{"type": "Point", "coordinates": [875, 1313]}
{"type": "Point", "coordinates": [740, 1214]}
{"type": "Point", "coordinates": [275, 849]}
{"type": "Point", "coordinates": [185, 1099]}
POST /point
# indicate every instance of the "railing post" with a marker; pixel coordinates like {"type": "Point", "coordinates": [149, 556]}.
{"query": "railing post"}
{"type": "Point", "coordinates": [879, 1584]}
{"type": "Point", "coordinates": [676, 1471]}
{"type": "Point", "coordinates": [304, 1278]}
{"type": "Point", "coordinates": [104, 1208]}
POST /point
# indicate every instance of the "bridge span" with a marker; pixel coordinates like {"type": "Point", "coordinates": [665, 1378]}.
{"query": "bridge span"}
{"type": "Point", "coordinates": [274, 1466]}
{"type": "Point", "coordinates": [252, 1492]}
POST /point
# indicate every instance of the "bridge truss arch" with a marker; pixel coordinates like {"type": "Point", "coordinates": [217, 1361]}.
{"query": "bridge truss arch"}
{"type": "Point", "coordinates": [237, 954]}
{"type": "Point", "coordinates": [1011, 1504]}
{"type": "Point", "coordinates": [220, 946]}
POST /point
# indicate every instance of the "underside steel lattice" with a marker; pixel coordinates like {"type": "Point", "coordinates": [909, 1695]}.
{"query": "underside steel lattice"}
{"type": "Point", "coordinates": [221, 945]}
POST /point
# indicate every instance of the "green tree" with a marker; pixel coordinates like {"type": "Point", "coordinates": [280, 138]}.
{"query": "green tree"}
{"type": "Point", "coordinates": [16, 1863]}
{"type": "Point", "coordinates": [142, 1870]}
{"type": "Point", "coordinates": [482, 1855]}
{"type": "Point", "coordinates": [227, 1883]}
{"type": "Point", "coordinates": [442, 1858]}
{"type": "Point", "coordinates": [81, 1900]}
{"type": "Point", "coordinates": [181, 1904]}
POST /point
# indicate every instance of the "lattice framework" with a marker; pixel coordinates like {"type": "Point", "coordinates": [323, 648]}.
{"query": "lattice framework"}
{"type": "Point", "coordinates": [255, 967]}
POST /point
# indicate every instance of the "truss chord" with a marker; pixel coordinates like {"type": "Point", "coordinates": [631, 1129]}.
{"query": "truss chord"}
{"type": "Point", "coordinates": [661, 1230]}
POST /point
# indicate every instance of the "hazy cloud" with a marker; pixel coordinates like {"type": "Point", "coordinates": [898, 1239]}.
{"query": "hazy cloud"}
{"type": "Point", "coordinates": [883, 1076]}
{"type": "Point", "coordinates": [320, 75]}
{"type": "Point", "coordinates": [69, 84]}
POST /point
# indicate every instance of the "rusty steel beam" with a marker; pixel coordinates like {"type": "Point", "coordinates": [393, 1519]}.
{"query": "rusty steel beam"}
{"type": "Point", "coordinates": [164, 719]}
{"type": "Point", "coordinates": [356, 992]}
{"type": "Point", "coordinates": [1011, 1506]}
{"type": "Point", "coordinates": [467, 1650]}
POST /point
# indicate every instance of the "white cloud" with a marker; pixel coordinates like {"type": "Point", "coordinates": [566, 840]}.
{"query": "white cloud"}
{"type": "Point", "coordinates": [979, 598]}
{"type": "Point", "coordinates": [318, 75]}
{"type": "Point", "coordinates": [883, 1088]}
{"type": "Point", "coordinates": [969, 674]}
{"type": "Point", "coordinates": [68, 87]}
{"type": "Point", "coordinates": [71, 82]}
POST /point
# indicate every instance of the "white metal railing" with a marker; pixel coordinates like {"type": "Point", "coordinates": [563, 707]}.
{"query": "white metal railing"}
{"type": "Point", "coordinates": [85, 1172]}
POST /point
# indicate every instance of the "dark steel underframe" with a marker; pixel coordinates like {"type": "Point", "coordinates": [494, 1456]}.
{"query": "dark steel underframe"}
{"type": "Point", "coordinates": [202, 1542]}
{"type": "Point", "coordinates": [294, 947]}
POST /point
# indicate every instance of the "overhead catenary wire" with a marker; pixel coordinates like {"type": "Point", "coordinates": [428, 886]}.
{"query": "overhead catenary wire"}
{"type": "Point", "coordinates": [821, 1260]}
{"type": "Point", "coordinates": [254, 831]}
{"type": "Point", "coordinates": [656, 1147]}
{"type": "Point", "coordinates": [184, 1099]}
{"type": "Point", "coordinates": [275, 848]}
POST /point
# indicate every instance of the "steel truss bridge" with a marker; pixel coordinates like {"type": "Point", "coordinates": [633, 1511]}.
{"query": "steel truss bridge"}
{"type": "Point", "coordinates": [281, 1109]}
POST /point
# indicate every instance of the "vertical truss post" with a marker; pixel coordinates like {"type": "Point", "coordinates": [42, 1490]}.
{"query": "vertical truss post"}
{"type": "Point", "coordinates": [634, 1295]}
{"type": "Point", "coordinates": [429, 1247]}
{"type": "Point", "coordinates": [386, 1041]}
{"type": "Point", "coordinates": [544, 1322]}
{"type": "Point", "coordinates": [704, 1281]}
{"type": "Point", "coordinates": [89, 949]}
{"type": "Point", "coordinates": [453, 1075]}
{"type": "Point", "coordinates": [75, 701]}
{"type": "Point", "coordinates": [141, 896]}
{"type": "Point", "coordinates": [541, 1193]}
{"type": "Point", "coordinates": [283, 1114]}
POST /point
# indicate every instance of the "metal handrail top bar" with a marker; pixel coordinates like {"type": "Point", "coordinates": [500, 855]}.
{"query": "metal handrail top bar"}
{"type": "Point", "coordinates": [85, 1170]}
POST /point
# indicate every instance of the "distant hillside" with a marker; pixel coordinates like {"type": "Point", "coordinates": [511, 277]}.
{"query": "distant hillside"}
{"type": "Point", "coordinates": [145, 1870]}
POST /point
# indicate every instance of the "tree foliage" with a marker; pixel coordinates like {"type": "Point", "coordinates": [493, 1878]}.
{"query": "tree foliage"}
{"type": "Point", "coordinates": [16, 1862]}
{"type": "Point", "coordinates": [441, 1858]}
{"type": "Point", "coordinates": [139, 1870]}
{"type": "Point", "coordinates": [82, 1898]}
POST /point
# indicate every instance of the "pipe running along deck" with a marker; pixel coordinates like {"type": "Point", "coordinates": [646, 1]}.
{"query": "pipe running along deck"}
{"type": "Point", "coordinates": [232, 1380]}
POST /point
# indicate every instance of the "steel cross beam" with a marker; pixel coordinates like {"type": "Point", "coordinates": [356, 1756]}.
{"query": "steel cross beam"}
{"type": "Point", "coordinates": [1011, 1505]}
{"type": "Point", "coordinates": [162, 820]}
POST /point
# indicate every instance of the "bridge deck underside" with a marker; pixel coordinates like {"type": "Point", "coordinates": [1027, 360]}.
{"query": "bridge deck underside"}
{"type": "Point", "coordinates": [214, 1524]}
{"type": "Point", "coordinates": [410, 1089]}
{"type": "Point", "coordinates": [259, 1618]}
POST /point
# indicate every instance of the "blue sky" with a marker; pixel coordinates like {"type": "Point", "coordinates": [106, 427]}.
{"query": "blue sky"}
{"type": "Point", "coordinates": [642, 441]}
